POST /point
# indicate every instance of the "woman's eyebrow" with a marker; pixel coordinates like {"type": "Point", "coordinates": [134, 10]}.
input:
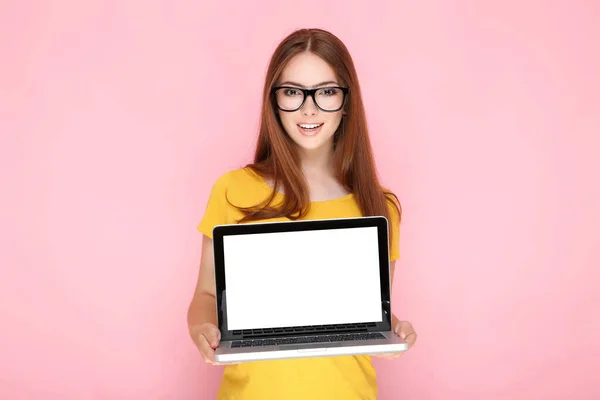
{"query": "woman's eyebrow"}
{"type": "Point", "coordinates": [290, 83]}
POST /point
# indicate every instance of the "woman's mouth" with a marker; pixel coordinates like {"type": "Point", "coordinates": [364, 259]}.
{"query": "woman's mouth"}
{"type": "Point", "coordinates": [309, 129]}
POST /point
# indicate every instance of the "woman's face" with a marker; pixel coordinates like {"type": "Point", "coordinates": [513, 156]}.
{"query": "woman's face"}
{"type": "Point", "coordinates": [310, 127]}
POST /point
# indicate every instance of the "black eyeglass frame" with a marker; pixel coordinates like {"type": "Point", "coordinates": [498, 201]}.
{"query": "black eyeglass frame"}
{"type": "Point", "coordinates": [311, 93]}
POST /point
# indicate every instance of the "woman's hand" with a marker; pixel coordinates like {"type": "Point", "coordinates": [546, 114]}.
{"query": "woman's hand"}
{"type": "Point", "coordinates": [405, 330]}
{"type": "Point", "coordinates": [207, 337]}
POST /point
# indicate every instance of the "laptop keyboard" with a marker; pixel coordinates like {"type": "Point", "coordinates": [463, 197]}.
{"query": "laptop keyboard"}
{"type": "Point", "coordinates": [307, 339]}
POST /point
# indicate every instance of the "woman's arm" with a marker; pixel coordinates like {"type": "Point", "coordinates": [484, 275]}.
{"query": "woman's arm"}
{"type": "Point", "coordinates": [392, 270]}
{"type": "Point", "coordinates": [203, 307]}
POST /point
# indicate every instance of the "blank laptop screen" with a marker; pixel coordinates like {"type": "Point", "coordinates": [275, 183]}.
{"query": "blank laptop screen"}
{"type": "Point", "coordinates": [319, 277]}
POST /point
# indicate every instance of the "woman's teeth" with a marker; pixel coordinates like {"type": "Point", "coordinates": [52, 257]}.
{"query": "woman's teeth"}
{"type": "Point", "coordinates": [309, 126]}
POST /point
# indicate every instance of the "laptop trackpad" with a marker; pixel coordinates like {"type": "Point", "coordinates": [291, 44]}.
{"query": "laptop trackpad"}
{"type": "Point", "coordinates": [305, 347]}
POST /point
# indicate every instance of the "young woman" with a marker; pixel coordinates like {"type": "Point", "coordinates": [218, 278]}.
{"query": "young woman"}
{"type": "Point", "coordinates": [313, 161]}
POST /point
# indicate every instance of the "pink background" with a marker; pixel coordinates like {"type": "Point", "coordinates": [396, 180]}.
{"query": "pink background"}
{"type": "Point", "coordinates": [117, 116]}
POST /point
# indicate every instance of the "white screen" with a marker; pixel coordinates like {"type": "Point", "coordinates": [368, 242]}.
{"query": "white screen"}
{"type": "Point", "coordinates": [320, 277]}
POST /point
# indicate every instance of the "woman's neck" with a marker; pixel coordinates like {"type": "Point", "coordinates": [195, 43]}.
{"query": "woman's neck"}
{"type": "Point", "coordinates": [317, 162]}
{"type": "Point", "coordinates": [319, 170]}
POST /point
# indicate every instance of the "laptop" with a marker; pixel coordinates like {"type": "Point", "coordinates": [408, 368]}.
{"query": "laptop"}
{"type": "Point", "coordinates": [308, 288]}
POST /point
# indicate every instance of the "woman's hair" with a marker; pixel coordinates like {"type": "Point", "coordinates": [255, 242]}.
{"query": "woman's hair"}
{"type": "Point", "coordinates": [276, 158]}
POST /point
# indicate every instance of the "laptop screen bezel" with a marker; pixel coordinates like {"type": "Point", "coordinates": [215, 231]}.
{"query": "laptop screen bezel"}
{"type": "Point", "coordinates": [380, 222]}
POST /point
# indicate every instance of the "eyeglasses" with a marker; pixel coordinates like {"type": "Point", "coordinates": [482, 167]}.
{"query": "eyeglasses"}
{"type": "Point", "coordinates": [328, 99]}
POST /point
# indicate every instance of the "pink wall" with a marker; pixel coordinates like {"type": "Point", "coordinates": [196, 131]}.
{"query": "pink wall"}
{"type": "Point", "coordinates": [116, 117]}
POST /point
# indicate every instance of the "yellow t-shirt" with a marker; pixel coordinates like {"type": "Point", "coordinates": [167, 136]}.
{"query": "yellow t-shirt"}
{"type": "Point", "coordinates": [340, 377]}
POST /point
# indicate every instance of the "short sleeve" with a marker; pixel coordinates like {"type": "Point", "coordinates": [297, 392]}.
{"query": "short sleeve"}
{"type": "Point", "coordinates": [216, 207]}
{"type": "Point", "coordinates": [394, 228]}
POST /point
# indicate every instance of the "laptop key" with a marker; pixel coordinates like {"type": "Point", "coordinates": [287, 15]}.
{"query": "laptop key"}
{"type": "Point", "coordinates": [307, 339]}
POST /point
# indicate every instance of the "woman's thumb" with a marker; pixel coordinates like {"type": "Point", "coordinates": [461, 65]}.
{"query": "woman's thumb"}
{"type": "Point", "coordinates": [213, 336]}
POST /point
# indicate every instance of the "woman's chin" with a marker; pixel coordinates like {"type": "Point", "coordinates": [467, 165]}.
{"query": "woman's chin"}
{"type": "Point", "coordinates": [314, 146]}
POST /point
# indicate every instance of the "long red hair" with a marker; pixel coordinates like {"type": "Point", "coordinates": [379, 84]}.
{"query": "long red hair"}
{"type": "Point", "coordinates": [276, 159]}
